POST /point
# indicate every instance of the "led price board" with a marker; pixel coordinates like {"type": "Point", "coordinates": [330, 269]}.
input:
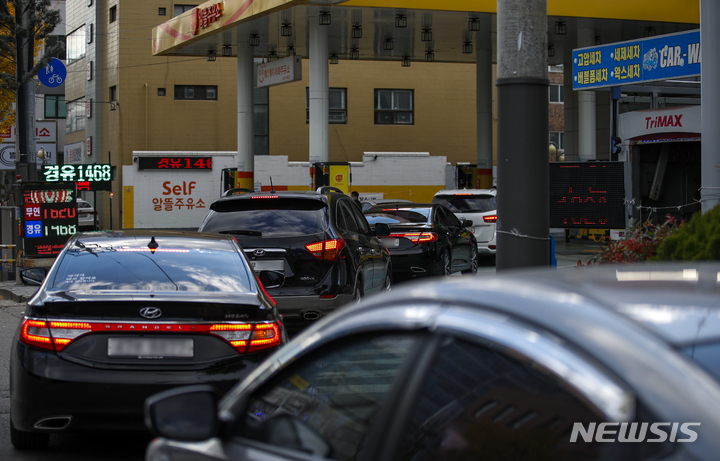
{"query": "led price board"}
{"type": "Point", "coordinates": [91, 177]}
{"type": "Point", "coordinates": [49, 217]}
{"type": "Point", "coordinates": [175, 163]}
{"type": "Point", "coordinates": [587, 195]}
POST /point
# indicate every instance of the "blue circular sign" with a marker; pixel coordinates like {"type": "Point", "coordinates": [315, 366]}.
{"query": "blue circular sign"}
{"type": "Point", "coordinates": [53, 74]}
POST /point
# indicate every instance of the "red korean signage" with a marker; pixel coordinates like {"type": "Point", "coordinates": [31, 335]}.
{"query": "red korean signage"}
{"type": "Point", "coordinates": [203, 17]}
{"type": "Point", "coordinates": [175, 163]}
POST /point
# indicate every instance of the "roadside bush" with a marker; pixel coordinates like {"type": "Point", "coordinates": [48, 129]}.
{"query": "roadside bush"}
{"type": "Point", "coordinates": [640, 243]}
{"type": "Point", "coordinates": [698, 240]}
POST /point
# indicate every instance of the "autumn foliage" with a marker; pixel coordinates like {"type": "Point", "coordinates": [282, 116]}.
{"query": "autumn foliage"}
{"type": "Point", "coordinates": [640, 243]}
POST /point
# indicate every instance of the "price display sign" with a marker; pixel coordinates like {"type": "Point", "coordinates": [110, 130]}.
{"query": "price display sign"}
{"type": "Point", "coordinates": [175, 163]}
{"type": "Point", "coordinates": [587, 195]}
{"type": "Point", "coordinates": [88, 177]}
{"type": "Point", "coordinates": [49, 217]}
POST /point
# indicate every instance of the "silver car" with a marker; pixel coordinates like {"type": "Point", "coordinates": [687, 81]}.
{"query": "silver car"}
{"type": "Point", "coordinates": [542, 365]}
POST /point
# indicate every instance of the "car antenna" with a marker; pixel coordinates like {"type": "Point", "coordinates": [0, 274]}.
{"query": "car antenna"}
{"type": "Point", "coordinates": [153, 245]}
{"type": "Point", "coordinates": [272, 188]}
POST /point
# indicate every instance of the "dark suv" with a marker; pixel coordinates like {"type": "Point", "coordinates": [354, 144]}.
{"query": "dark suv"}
{"type": "Point", "coordinates": [313, 251]}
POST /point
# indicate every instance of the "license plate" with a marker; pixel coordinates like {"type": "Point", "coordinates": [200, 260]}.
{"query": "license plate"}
{"type": "Point", "coordinates": [269, 265]}
{"type": "Point", "coordinates": [150, 348]}
{"type": "Point", "coordinates": [390, 243]}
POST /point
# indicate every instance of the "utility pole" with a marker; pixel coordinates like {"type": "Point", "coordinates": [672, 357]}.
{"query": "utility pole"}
{"type": "Point", "coordinates": [25, 163]}
{"type": "Point", "coordinates": [710, 107]}
{"type": "Point", "coordinates": [523, 226]}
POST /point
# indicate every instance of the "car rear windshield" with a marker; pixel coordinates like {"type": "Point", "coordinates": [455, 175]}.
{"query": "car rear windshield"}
{"type": "Point", "coordinates": [398, 215]}
{"type": "Point", "coordinates": [479, 203]}
{"type": "Point", "coordinates": [267, 217]}
{"type": "Point", "coordinates": [141, 269]}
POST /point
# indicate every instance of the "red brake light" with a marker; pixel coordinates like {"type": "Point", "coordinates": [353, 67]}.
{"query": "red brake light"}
{"type": "Point", "coordinates": [265, 335]}
{"type": "Point", "coordinates": [60, 334]}
{"type": "Point", "coordinates": [265, 196]}
{"type": "Point", "coordinates": [266, 293]}
{"type": "Point", "coordinates": [326, 249]}
{"type": "Point", "coordinates": [463, 193]}
{"type": "Point", "coordinates": [490, 218]}
{"type": "Point", "coordinates": [418, 237]}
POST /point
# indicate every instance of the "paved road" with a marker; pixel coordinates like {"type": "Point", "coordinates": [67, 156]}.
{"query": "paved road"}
{"type": "Point", "coordinates": [102, 446]}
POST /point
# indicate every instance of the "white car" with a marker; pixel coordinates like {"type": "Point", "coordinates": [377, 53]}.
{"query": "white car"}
{"type": "Point", "coordinates": [478, 206]}
{"type": "Point", "coordinates": [86, 215]}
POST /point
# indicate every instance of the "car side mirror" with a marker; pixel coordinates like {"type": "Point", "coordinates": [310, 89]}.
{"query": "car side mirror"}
{"type": "Point", "coordinates": [382, 229]}
{"type": "Point", "coordinates": [33, 276]}
{"type": "Point", "coordinates": [466, 223]}
{"type": "Point", "coordinates": [187, 413]}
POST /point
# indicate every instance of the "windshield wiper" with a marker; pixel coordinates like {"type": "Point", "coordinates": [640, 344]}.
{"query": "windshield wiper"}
{"type": "Point", "coordinates": [242, 232]}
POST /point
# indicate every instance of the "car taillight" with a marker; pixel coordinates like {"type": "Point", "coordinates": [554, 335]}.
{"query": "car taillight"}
{"type": "Point", "coordinates": [490, 218]}
{"type": "Point", "coordinates": [262, 287]}
{"type": "Point", "coordinates": [46, 334]}
{"type": "Point", "coordinates": [418, 237]}
{"type": "Point", "coordinates": [265, 196]}
{"type": "Point", "coordinates": [327, 249]}
{"type": "Point", "coordinates": [248, 337]}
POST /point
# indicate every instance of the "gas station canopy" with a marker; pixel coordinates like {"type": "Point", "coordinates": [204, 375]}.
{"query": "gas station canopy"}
{"type": "Point", "coordinates": [397, 29]}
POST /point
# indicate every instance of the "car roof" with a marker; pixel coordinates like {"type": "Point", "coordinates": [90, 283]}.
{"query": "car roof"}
{"type": "Point", "coordinates": [467, 191]}
{"type": "Point", "coordinates": [141, 237]}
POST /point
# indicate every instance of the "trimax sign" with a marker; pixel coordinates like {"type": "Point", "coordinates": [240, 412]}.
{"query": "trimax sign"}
{"type": "Point", "coordinates": [203, 17]}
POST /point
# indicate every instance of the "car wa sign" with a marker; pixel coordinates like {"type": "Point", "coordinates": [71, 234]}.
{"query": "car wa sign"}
{"type": "Point", "coordinates": [273, 73]}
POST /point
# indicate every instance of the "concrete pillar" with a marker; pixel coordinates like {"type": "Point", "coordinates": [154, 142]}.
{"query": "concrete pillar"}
{"type": "Point", "coordinates": [587, 123]}
{"type": "Point", "coordinates": [710, 109]}
{"type": "Point", "coordinates": [319, 92]}
{"type": "Point", "coordinates": [523, 226]}
{"type": "Point", "coordinates": [245, 159]}
{"type": "Point", "coordinates": [484, 104]}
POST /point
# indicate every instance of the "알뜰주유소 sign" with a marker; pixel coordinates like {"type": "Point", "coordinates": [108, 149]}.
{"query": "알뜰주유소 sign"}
{"type": "Point", "coordinates": [635, 61]}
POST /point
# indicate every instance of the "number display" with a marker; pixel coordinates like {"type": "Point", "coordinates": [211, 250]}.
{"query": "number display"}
{"type": "Point", "coordinates": [50, 217]}
{"type": "Point", "coordinates": [87, 177]}
{"type": "Point", "coordinates": [175, 163]}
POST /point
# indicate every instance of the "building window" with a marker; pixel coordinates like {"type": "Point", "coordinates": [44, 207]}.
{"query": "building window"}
{"type": "Point", "coordinates": [53, 40]}
{"type": "Point", "coordinates": [161, 11]}
{"type": "Point", "coordinates": [113, 14]}
{"type": "Point", "coordinates": [196, 92]}
{"type": "Point", "coordinates": [261, 121]}
{"type": "Point", "coordinates": [90, 34]}
{"type": "Point", "coordinates": [161, 91]}
{"type": "Point", "coordinates": [558, 137]}
{"type": "Point", "coordinates": [76, 45]}
{"type": "Point", "coordinates": [180, 9]}
{"type": "Point", "coordinates": [113, 93]}
{"type": "Point", "coordinates": [338, 105]}
{"type": "Point", "coordinates": [394, 107]}
{"type": "Point", "coordinates": [75, 116]}
{"type": "Point", "coordinates": [557, 93]}
{"type": "Point", "coordinates": [54, 106]}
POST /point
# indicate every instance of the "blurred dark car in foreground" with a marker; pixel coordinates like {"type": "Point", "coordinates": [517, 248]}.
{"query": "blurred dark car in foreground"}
{"type": "Point", "coordinates": [122, 315]}
{"type": "Point", "coordinates": [425, 239]}
{"type": "Point", "coordinates": [527, 365]}
{"type": "Point", "coordinates": [313, 251]}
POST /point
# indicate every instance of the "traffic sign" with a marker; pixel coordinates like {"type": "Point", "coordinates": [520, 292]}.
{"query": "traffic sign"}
{"type": "Point", "coordinates": [53, 74]}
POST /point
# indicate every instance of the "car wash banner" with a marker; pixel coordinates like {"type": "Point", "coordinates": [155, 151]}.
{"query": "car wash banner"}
{"type": "Point", "coordinates": [636, 61]}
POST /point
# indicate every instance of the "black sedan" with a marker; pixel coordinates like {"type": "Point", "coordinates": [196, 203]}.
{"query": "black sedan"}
{"type": "Point", "coordinates": [618, 363]}
{"type": "Point", "coordinates": [122, 315]}
{"type": "Point", "coordinates": [425, 239]}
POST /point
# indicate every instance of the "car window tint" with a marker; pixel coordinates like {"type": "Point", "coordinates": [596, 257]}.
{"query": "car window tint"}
{"type": "Point", "coordinates": [180, 269]}
{"type": "Point", "coordinates": [270, 217]}
{"type": "Point", "coordinates": [481, 403]}
{"type": "Point", "coordinates": [360, 219]}
{"type": "Point", "coordinates": [467, 203]}
{"type": "Point", "coordinates": [332, 396]}
{"type": "Point", "coordinates": [398, 215]}
{"type": "Point", "coordinates": [452, 220]}
{"type": "Point", "coordinates": [350, 223]}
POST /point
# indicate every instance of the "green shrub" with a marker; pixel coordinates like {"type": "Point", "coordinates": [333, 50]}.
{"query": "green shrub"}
{"type": "Point", "coordinates": [697, 240]}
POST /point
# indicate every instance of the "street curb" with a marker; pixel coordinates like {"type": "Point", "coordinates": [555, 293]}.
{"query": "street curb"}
{"type": "Point", "coordinates": [7, 294]}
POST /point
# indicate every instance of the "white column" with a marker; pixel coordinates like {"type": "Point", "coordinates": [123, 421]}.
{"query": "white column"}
{"type": "Point", "coordinates": [319, 93]}
{"type": "Point", "coordinates": [587, 125]}
{"type": "Point", "coordinates": [245, 159]}
{"type": "Point", "coordinates": [710, 108]}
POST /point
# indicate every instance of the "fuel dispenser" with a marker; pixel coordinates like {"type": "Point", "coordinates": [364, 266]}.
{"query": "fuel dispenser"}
{"type": "Point", "coordinates": [336, 174]}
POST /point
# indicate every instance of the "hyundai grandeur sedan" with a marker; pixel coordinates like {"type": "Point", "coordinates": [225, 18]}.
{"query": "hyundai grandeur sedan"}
{"type": "Point", "coordinates": [425, 239]}
{"type": "Point", "coordinates": [479, 206]}
{"type": "Point", "coordinates": [618, 363]}
{"type": "Point", "coordinates": [122, 315]}
{"type": "Point", "coordinates": [313, 251]}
